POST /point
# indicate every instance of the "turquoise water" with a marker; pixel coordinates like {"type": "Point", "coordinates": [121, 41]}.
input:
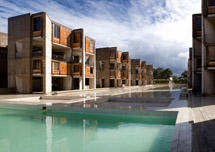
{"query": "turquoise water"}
{"type": "Point", "coordinates": [25, 131]}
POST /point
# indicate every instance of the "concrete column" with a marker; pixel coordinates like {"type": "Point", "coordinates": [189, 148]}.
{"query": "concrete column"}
{"type": "Point", "coordinates": [47, 55]}
{"type": "Point", "coordinates": [83, 61]}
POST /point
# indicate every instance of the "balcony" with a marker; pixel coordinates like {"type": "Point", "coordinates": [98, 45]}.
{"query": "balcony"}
{"type": "Point", "coordinates": [197, 25]}
{"type": "Point", "coordinates": [76, 69]}
{"type": "Point", "coordinates": [124, 75]}
{"type": "Point", "coordinates": [90, 45]}
{"type": "Point", "coordinates": [211, 56]}
{"type": "Point", "coordinates": [125, 57]}
{"type": "Point", "coordinates": [37, 65]}
{"type": "Point", "coordinates": [77, 38]}
{"type": "Point", "coordinates": [119, 75]}
{"type": "Point", "coordinates": [112, 74]}
{"type": "Point", "coordinates": [60, 68]}
{"type": "Point", "coordinates": [208, 7]}
{"type": "Point", "coordinates": [138, 77]}
{"type": "Point", "coordinates": [198, 64]}
{"type": "Point", "coordinates": [89, 71]}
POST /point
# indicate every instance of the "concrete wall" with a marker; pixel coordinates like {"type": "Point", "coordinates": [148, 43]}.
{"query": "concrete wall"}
{"type": "Point", "coordinates": [19, 53]}
{"type": "Point", "coordinates": [208, 74]}
{"type": "Point", "coordinates": [196, 55]}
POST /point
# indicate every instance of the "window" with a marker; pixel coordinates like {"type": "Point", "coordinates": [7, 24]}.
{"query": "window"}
{"type": "Point", "coordinates": [36, 64]}
{"type": "Point", "coordinates": [123, 67]}
{"type": "Point", "coordinates": [91, 45]}
{"type": "Point", "coordinates": [77, 37]}
{"type": "Point", "coordinates": [56, 66]}
{"type": "Point", "coordinates": [56, 31]}
{"type": "Point", "coordinates": [76, 59]}
{"type": "Point", "coordinates": [87, 81]}
{"type": "Point", "coordinates": [136, 71]}
{"type": "Point", "coordinates": [91, 70]}
{"type": "Point", "coordinates": [76, 68]}
{"type": "Point", "coordinates": [123, 81]}
{"type": "Point", "coordinates": [112, 66]}
{"type": "Point", "coordinates": [19, 48]}
{"type": "Point", "coordinates": [37, 23]}
{"type": "Point", "coordinates": [211, 2]}
{"type": "Point", "coordinates": [102, 65]}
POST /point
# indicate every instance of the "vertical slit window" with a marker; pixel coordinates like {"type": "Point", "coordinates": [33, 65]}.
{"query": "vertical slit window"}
{"type": "Point", "coordinates": [37, 23]}
{"type": "Point", "coordinates": [56, 31]}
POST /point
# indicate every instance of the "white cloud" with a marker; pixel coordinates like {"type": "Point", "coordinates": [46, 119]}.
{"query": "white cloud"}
{"type": "Point", "coordinates": [158, 31]}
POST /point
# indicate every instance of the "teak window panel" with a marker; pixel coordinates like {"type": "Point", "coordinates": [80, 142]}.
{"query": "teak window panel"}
{"type": "Point", "coordinates": [37, 25]}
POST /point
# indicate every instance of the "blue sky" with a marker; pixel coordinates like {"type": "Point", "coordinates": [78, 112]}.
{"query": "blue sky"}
{"type": "Point", "coordinates": [158, 31]}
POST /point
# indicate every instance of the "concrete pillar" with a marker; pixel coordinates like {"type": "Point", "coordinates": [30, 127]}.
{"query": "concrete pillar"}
{"type": "Point", "coordinates": [47, 55]}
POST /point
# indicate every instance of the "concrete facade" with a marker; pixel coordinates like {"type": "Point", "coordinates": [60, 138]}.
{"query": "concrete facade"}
{"type": "Point", "coordinates": [144, 73]}
{"type": "Point", "coordinates": [208, 47]}
{"type": "Point", "coordinates": [109, 66]}
{"type": "Point", "coordinates": [197, 53]}
{"type": "Point", "coordinates": [149, 74]}
{"type": "Point", "coordinates": [136, 72]}
{"type": "Point", "coordinates": [45, 56]}
{"type": "Point", "coordinates": [189, 74]}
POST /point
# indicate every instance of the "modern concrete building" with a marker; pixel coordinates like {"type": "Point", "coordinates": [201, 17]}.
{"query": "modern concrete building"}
{"type": "Point", "coordinates": [144, 73]}
{"type": "Point", "coordinates": [3, 60]}
{"type": "Point", "coordinates": [45, 56]}
{"type": "Point", "coordinates": [189, 75]}
{"type": "Point", "coordinates": [109, 66]}
{"type": "Point", "coordinates": [126, 69]}
{"type": "Point", "coordinates": [208, 47]}
{"type": "Point", "coordinates": [197, 53]}
{"type": "Point", "coordinates": [136, 72]}
{"type": "Point", "coordinates": [149, 74]}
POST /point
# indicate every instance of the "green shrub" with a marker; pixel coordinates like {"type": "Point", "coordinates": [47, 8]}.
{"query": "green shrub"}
{"type": "Point", "coordinates": [161, 80]}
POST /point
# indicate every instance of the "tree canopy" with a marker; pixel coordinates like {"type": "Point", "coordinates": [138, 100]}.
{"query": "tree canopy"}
{"type": "Point", "coordinates": [161, 73]}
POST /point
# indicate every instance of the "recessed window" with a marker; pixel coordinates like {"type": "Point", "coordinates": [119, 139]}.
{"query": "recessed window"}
{"type": "Point", "coordinates": [76, 68]}
{"type": "Point", "coordinates": [76, 59]}
{"type": "Point", "coordinates": [56, 31]}
{"type": "Point", "coordinates": [91, 70]}
{"type": "Point", "coordinates": [91, 45]}
{"type": "Point", "coordinates": [87, 81]}
{"type": "Point", "coordinates": [56, 66]}
{"type": "Point", "coordinates": [112, 66]}
{"type": "Point", "coordinates": [136, 71]}
{"type": "Point", "coordinates": [36, 23]}
{"type": "Point", "coordinates": [102, 65]}
{"type": "Point", "coordinates": [123, 81]}
{"type": "Point", "coordinates": [36, 64]}
{"type": "Point", "coordinates": [211, 2]}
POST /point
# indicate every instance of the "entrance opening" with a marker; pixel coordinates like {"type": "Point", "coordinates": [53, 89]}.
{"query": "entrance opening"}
{"type": "Point", "coordinates": [103, 83]}
{"type": "Point", "coordinates": [57, 84]}
{"type": "Point", "coordinates": [37, 84]}
{"type": "Point", "coordinates": [136, 82]}
{"type": "Point", "coordinates": [111, 82]}
{"type": "Point", "coordinates": [87, 81]}
{"type": "Point", "coordinates": [75, 83]}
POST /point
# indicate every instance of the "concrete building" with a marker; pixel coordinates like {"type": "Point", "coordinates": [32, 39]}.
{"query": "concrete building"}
{"type": "Point", "coordinates": [46, 56]}
{"type": "Point", "coordinates": [109, 66]}
{"type": "Point", "coordinates": [126, 69]}
{"type": "Point", "coordinates": [197, 53]}
{"type": "Point", "coordinates": [3, 60]}
{"type": "Point", "coordinates": [208, 47]}
{"type": "Point", "coordinates": [136, 72]}
{"type": "Point", "coordinates": [149, 74]}
{"type": "Point", "coordinates": [144, 73]}
{"type": "Point", "coordinates": [189, 74]}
